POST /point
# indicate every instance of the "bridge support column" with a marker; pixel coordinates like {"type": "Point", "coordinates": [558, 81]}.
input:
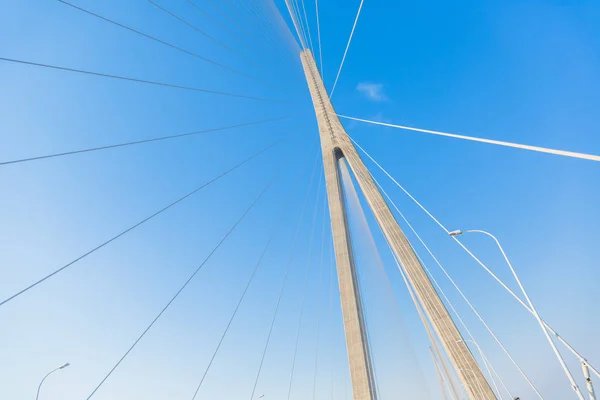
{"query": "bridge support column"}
{"type": "Point", "coordinates": [336, 144]}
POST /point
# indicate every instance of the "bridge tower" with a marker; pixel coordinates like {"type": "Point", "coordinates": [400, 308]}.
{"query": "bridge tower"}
{"type": "Point", "coordinates": [336, 146]}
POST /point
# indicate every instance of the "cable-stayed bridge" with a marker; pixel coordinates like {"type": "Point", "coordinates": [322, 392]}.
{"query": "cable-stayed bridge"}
{"type": "Point", "coordinates": [263, 40]}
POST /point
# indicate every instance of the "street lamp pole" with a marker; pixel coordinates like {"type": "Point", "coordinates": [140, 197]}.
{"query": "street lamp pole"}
{"type": "Point", "coordinates": [47, 375]}
{"type": "Point", "coordinates": [533, 309]}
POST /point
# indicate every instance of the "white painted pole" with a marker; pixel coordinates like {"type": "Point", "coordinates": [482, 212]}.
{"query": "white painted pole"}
{"type": "Point", "coordinates": [588, 380]}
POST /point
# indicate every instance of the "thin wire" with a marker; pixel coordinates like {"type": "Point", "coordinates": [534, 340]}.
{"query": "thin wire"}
{"type": "Point", "coordinates": [125, 78]}
{"type": "Point", "coordinates": [283, 284]}
{"type": "Point", "coordinates": [319, 37]}
{"type": "Point", "coordinates": [559, 337]}
{"type": "Point", "coordinates": [257, 24]}
{"type": "Point", "coordinates": [295, 22]}
{"type": "Point", "coordinates": [139, 141]}
{"type": "Point", "coordinates": [318, 301]}
{"type": "Point", "coordinates": [296, 13]}
{"type": "Point", "coordinates": [271, 60]}
{"type": "Point", "coordinates": [307, 27]}
{"type": "Point", "coordinates": [564, 153]}
{"type": "Point", "coordinates": [278, 222]}
{"type": "Point", "coordinates": [290, 54]}
{"type": "Point", "coordinates": [347, 47]}
{"type": "Point", "coordinates": [242, 29]}
{"type": "Point", "coordinates": [246, 44]}
{"type": "Point", "coordinates": [294, 48]}
{"type": "Point", "coordinates": [265, 25]}
{"type": "Point", "coordinates": [269, 5]}
{"type": "Point", "coordinates": [225, 67]}
{"type": "Point", "coordinates": [304, 290]}
{"type": "Point", "coordinates": [263, 36]}
{"type": "Point", "coordinates": [201, 32]}
{"type": "Point", "coordinates": [300, 22]}
{"type": "Point", "coordinates": [248, 209]}
{"type": "Point", "coordinates": [226, 29]}
{"type": "Point", "coordinates": [286, 29]}
{"type": "Point", "coordinates": [139, 223]}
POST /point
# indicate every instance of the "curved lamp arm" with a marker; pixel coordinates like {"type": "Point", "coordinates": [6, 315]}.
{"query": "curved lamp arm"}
{"type": "Point", "coordinates": [47, 375]}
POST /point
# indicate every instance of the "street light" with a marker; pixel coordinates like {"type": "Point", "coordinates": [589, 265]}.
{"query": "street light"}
{"type": "Point", "coordinates": [574, 386]}
{"type": "Point", "coordinates": [65, 365]}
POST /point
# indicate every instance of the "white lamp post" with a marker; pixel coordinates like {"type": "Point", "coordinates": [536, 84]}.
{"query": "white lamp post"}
{"type": "Point", "coordinates": [47, 375]}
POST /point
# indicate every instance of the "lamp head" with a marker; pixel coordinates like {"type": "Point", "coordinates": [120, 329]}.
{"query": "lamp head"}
{"type": "Point", "coordinates": [456, 232]}
{"type": "Point", "coordinates": [64, 366]}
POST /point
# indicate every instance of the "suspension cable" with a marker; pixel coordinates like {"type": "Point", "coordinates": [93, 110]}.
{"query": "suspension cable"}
{"type": "Point", "coordinates": [257, 25]}
{"type": "Point", "coordinates": [255, 12]}
{"type": "Point", "coordinates": [226, 29]}
{"type": "Point", "coordinates": [278, 222]}
{"type": "Point", "coordinates": [307, 26]}
{"type": "Point", "coordinates": [191, 277]}
{"type": "Point", "coordinates": [112, 146]}
{"type": "Point", "coordinates": [126, 78]}
{"type": "Point", "coordinates": [319, 38]}
{"type": "Point", "coordinates": [285, 27]}
{"type": "Point", "coordinates": [201, 32]}
{"type": "Point", "coordinates": [237, 11]}
{"type": "Point", "coordinates": [291, 53]}
{"type": "Point", "coordinates": [319, 302]}
{"type": "Point", "coordinates": [300, 22]}
{"type": "Point", "coordinates": [270, 4]}
{"type": "Point", "coordinates": [283, 283]}
{"type": "Point", "coordinates": [138, 223]}
{"type": "Point", "coordinates": [347, 47]}
{"type": "Point", "coordinates": [591, 157]}
{"type": "Point", "coordinates": [295, 22]}
{"type": "Point", "coordinates": [305, 286]}
{"type": "Point", "coordinates": [180, 49]}
{"type": "Point", "coordinates": [245, 33]}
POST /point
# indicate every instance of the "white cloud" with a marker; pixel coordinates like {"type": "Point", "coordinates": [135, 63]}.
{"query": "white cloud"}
{"type": "Point", "coordinates": [372, 91]}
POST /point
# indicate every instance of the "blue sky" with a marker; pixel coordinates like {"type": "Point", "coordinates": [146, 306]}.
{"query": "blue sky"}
{"type": "Point", "coordinates": [527, 73]}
